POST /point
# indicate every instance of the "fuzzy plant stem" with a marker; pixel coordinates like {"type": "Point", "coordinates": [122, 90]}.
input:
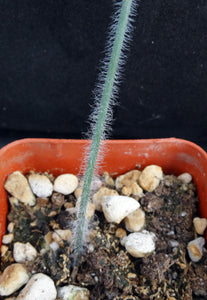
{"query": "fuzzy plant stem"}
{"type": "Point", "coordinates": [100, 123]}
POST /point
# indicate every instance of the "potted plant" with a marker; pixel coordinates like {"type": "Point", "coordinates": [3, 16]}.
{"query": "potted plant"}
{"type": "Point", "coordinates": [175, 156]}
{"type": "Point", "coordinates": [65, 156]}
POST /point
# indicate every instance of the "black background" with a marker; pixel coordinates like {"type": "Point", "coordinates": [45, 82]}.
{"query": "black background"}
{"type": "Point", "coordinates": [49, 57]}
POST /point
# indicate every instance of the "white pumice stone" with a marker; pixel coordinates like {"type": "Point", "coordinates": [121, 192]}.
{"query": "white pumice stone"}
{"type": "Point", "coordinates": [18, 186]}
{"type": "Point", "coordinates": [72, 292]}
{"type": "Point", "coordinates": [12, 279]}
{"type": "Point", "coordinates": [150, 178]}
{"type": "Point", "coordinates": [98, 197]}
{"type": "Point", "coordinates": [39, 287]}
{"type": "Point", "coordinates": [200, 225]}
{"type": "Point", "coordinates": [139, 244]}
{"type": "Point", "coordinates": [195, 249]}
{"type": "Point", "coordinates": [135, 221]}
{"type": "Point", "coordinates": [40, 185]}
{"type": "Point", "coordinates": [7, 238]}
{"type": "Point", "coordinates": [127, 179]}
{"type": "Point", "coordinates": [116, 208]}
{"type": "Point", "coordinates": [66, 184]}
{"type": "Point", "coordinates": [185, 177]}
{"type": "Point", "coordinates": [24, 252]}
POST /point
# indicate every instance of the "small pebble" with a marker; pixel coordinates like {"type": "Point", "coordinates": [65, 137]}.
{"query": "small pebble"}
{"type": "Point", "coordinates": [58, 199]}
{"type": "Point", "coordinates": [150, 177]}
{"type": "Point", "coordinates": [185, 177]}
{"type": "Point", "coordinates": [90, 210]}
{"type": "Point", "coordinates": [13, 278]}
{"type": "Point", "coordinates": [60, 235]}
{"type": "Point", "coordinates": [68, 205]}
{"type": "Point", "coordinates": [173, 243]}
{"type": "Point", "coordinates": [127, 179]}
{"type": "Point", "coordinates": [116, 208]}
{"type": "Point", "coordinates": [171, 232]}
{"type": "Point", "coordinates": [126, 191]}
{"type": "Point", "coordinates": [40, 185]}
{"type": "Point", "coordinates": [174, 275]}
{"type": "Point", "coordinates": [184, 187]}
{"type": "Point", "coordinates": [7, 238]}
{"type": "Point", "coordinates": [135, 221]}
{"type": "Point", "coordinates": [78, 192]}
{"type": "Point", "coordinates": [133, 189]}
{"type": "Point", "coordinates": [48, 237]}
{"type": "Point", "coordinates": [10, 227]}
{"type": "Point", "coordinates": [195, 249]}
{"type": "Point", "coordinates": [4, 249]}
{"type": "Point", "coordinates": [200, 225]}
{"type": "Point", "coordinates": [73, 292]}
{"type": "Point", "coordinates": [54, 246]}
{"type": "Point", "coordinates": [139, 244]}
{"type": "Point", "coordinates": [108, 179]}
{"type": "Point", "coordinates": [120, 233]}
{"type": "Point", "coordinates": [183, 213]}
{"type": "Point", "coordinates": [18, 186]}
{"type": "Point", "coordinates": [52, 214]}
{"type": "Point", "coordinates": [42, 201]}
{"type": "Point", "coordinates": [65, 184]}
{"type": "Point", "coordinates": [91, 248]}
{"type": "Point", "coordinates": [98, 197]}
{"type": "Point", "coordinates": [13, 201]}
{"type": "Point", "coordinates": [39, 287]}
{"type": "Point", "coordinates": [34, 223]}
{"type": "Point", "coordinates": [131, 276]}
{"type": "Point", "coordinates": [24, 252]}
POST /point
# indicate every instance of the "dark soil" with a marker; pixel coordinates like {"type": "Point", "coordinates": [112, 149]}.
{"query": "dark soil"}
{"type": "Point", "coordinates": [106, 269]}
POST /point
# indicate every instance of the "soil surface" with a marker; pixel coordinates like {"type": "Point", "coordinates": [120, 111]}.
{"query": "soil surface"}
{"type": "Point", "coordinates": [106, 269]}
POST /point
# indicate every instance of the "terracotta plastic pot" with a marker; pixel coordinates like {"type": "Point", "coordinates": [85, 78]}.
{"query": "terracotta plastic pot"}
{"type": "Point", "coordinates": [175, 156]}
